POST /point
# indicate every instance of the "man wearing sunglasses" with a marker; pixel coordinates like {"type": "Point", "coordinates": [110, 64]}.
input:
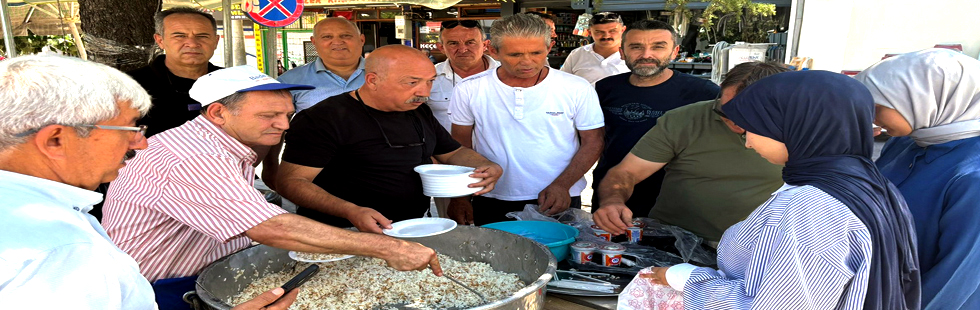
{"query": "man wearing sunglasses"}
{"type": "Point", "coordinates": [464, 43]}
{"type": "Point", "coordinates": [712, 180]}
{"type": "Point", "coordinates": [601, 58]}
{"type": "Point", "coordinates": [55, 148]}
{"type": "Point", "coordinates": [188, 199]}
{"type": "Point", "coordinates": [350, 160]}
{"type": "Point", "coordinates": [631, 102]}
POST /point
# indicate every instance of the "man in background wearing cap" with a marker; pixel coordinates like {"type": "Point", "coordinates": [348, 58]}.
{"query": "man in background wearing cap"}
{"type": "Point", "coordinates": [350, 159]}
{"type": "Point", "coordinates": [187, 200]}
{"type": "Point", "coordinates": [600, 59]}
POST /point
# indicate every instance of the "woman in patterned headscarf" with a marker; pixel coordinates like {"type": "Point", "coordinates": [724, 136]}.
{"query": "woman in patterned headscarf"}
{"type": "Point", "coordinates": [929, 101]}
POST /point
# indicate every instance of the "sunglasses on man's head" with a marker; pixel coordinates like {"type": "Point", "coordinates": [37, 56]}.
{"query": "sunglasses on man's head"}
{"type": "Point", "coordinates": [604, 17]}
{"type": "Point", "coordinates": [450, 24]}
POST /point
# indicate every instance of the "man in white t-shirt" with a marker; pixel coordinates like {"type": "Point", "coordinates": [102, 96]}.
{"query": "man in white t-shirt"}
{"type": "Point", "coordinates": [543, 126]}
{"type": "Point", "coordinates": [600, 59]}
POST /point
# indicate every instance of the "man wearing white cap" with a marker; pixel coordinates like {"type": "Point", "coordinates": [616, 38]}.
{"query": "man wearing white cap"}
{"type": "Point", "coordinates": [187, 200]}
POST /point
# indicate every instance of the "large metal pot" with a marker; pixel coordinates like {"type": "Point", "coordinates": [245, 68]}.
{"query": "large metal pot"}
{"type": "Point", "coordinates": [507, 252]}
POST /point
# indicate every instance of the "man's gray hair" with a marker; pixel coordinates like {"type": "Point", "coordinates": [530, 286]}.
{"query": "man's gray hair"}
{"type": "Point", "coordinates": [37, 91]}
{"type": "Point", "coordinates": [519, 26]}
{"type": "Point", "coordinates": [160, 16]}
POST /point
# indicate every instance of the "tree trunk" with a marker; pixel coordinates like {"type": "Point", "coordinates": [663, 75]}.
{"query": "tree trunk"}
{"type": "Point", "coordinates": [118, 33]}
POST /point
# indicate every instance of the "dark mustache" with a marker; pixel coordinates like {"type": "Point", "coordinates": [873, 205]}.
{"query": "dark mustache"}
{"type": "Point", "coordinates": [606, 39]}
{"type": "Point", "coordinates": [648, 61]}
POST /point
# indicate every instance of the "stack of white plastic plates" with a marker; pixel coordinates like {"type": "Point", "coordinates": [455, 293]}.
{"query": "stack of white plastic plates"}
{"type": "Point", "coordinates": [447, 180]}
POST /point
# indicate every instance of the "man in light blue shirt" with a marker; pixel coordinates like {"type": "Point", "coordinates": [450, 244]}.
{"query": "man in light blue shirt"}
{"type": "Point", "coordinates": [339, 67]}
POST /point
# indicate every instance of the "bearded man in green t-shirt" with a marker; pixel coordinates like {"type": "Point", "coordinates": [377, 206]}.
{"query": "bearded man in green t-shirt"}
{"type": "Point", "coordinates": [712, 181]}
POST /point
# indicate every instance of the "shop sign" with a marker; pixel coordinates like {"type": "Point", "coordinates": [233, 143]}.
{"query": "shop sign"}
{"type": "Point", "coordinates": [236, 12]}
{"type": "Point", "coordinates": [273, 13]}
{"type": "Point", "coordinates": [336, 2]}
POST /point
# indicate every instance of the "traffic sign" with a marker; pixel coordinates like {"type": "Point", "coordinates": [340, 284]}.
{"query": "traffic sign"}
{"type": "Point", "coordinates": [273, 13]}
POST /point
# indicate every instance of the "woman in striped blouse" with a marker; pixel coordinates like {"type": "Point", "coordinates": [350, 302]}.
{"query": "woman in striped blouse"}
{"type": "Point", "coordinates": [837, 235]}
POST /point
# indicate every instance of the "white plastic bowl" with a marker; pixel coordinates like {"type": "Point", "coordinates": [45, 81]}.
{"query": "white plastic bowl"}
{"type": "Point", "coordinates": [447, 180]}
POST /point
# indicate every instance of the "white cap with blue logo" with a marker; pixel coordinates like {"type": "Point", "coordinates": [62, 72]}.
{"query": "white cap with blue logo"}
{"type": "Point", "coordinates": [222, 83]}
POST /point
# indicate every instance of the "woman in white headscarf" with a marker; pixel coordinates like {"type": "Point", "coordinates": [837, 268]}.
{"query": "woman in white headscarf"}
{"type": "Point", "coordinates": [929, 101]}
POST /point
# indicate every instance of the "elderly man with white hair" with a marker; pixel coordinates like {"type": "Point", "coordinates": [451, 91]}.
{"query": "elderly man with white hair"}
{"type": "Point", "coordinates": [68, 126]}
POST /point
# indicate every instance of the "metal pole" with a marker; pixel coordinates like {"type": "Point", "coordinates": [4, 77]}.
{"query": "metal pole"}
{"type": "Point", "coordinates": [8, 33]}
{"type": "Point", "coordinates": [273, 66]}
{"type": "Point", "coordinates": [226, 29]}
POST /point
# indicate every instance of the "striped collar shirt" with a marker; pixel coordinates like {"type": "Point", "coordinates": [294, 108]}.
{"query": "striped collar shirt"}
{"type": "Point", "coordinates": [801, 249]}
{"type": "Point", "coordinates": [185, 201]}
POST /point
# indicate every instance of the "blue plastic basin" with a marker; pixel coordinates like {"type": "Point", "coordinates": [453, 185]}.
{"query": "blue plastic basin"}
{"type": "Point", "coordinates": [556, 236]}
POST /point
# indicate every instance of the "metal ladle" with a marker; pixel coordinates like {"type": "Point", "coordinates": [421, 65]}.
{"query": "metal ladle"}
{"type": "Point", "coordinates": [484, 298]}
{"type": "Point", "coordinates": [402, 306]}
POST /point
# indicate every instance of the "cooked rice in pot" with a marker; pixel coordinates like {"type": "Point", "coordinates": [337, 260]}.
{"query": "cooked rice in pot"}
{"type": "Point", "coordinates": [365, 283]}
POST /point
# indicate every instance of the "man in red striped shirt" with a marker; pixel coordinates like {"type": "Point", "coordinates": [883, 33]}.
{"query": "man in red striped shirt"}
{"type": "Point", "coordinates": [187, 200]}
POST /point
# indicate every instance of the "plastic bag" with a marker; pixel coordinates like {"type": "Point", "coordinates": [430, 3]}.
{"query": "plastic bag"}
{"type": "Point", "coordinates": [642, 294]}
{"type": "Point", "coordinates": [671, 244]}
{"type": "Point", "coordinates": [531, 213]}
{"type": "Point", "coordinates": [687, 244]}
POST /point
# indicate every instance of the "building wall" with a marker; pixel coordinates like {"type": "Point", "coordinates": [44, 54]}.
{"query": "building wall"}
{"type": "Point", "coordinates": [852, 35]}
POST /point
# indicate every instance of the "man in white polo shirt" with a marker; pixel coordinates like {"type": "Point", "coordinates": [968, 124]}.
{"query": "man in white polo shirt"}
{"type": "Point", "coordinates": [600, 59]}
{"type": "Point", "coordinates": [543, 126]}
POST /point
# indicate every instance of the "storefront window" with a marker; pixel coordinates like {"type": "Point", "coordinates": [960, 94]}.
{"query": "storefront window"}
{"type": "Point", "coordinates": [366, 14]}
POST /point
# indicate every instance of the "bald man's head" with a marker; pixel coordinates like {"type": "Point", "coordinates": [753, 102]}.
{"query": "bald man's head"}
{"type": "Point", "coordinates": [338, 42]}
{"type": "Point", "coordinates": [398, 78]}
{"type": "Point", "coordinates": [388, 57]}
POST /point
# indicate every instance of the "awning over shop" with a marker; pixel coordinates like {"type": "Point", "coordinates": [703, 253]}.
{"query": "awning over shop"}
{"type": "Point", "coordinates": [43, 18]}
